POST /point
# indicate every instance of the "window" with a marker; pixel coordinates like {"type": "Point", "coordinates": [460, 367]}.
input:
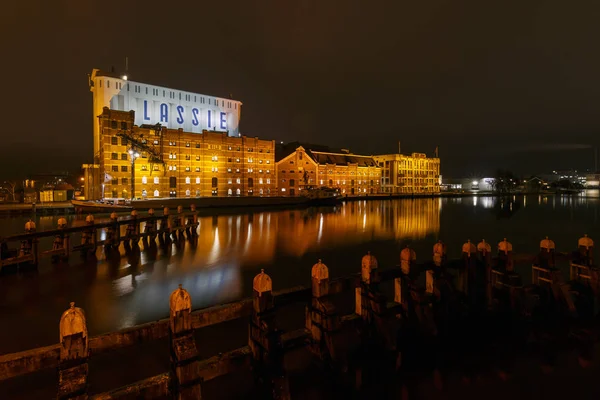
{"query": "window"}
{"type": "Point", "coordinates": [268, 161]}
{"type": "Point", "coordinates": [156, 167]}
{"type": "Point", "coordinates": [124, 181]}
{"type": "Point", "coordinates": [113, 124]}
{"type": "Point", "coordinates": [228, 147]}
{"type": "Point", "coordinates": [144, 180]}
{"type": "Point", "coordinates": [260, 181]}
{"type": "Point", "coordinates": [156, 193]}
{"type": "Point", "coordinates": [215, 183]}
{"type": "Point", "coordinates": [214, 158]}
{"type": "Point", "coordinates": [123, 125]}
{"type": "Point", "coordinates": [260, 161]}
{"type": "Point", "coordinates": [197, 145]}
{"type": "Point", "coordinates": [229, 181]}
{"type": "Point", "coordinates": [197, 180]}
{"type": "Point", "coordinates": [300, 155]}
{"type": "Point", "coordinates": [123, 168]}
{"type": "Point", "coordinates": [172, 182]}
{"type": "Point", "coordinates": [115, 168]}
{"type": "Point", "coordinates": [292, 182]}
{"type": "Point", "coordinates": [115, 181]}
{"type": "Point", "coordinates": [144, 167]}
{"type": "Point", "coordinates": [155, 142]}
{"type": "Point", "coordinates": [268, 171]}
{"type": "Point", "coordinates": [114, 140]}
{"type": "Point", "coordinates": [250, 170]}
{"type": "Point", "coordinates": [123, 141]}
{"type": "Point", "coordinates": [156, 180]}
{"type": "Point", "coordinates": [197, 169]}
{"type": "Point", "coordinates": [238, 181]}
{"type": "Point", "coordinates": [268, 181]}
{"type": "Point", "coordinates": [197, 158]}
{"type": "Point", "coordinates": [114, 156]}
{"type": "Point", "coordinates": [249, 159]}
{"type": "Point", "coordinates": [187, 180]}
{"type": "Point", "coordinates": [228, 169]}
{"type": "Point", "coordinates": [250, 182]}
{"type": "Point", "coordinates": [187, 169]}
{"type": "Point", "coordinates": [123, 156]}
{"type": "Point", "coordinates": [291, 162]}
{"type": "Point", "coordinates": [187, 156]}
{"type": "Point", "coordinates": [187, 144]}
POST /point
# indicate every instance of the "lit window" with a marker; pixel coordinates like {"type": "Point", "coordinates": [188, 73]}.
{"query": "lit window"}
{"type": "Point", "coordinates": [260, 180]}
{"type": "Point", "coordinates": [187, 180]}
{"type": "Point", "coordinates": [321, 182]}
{"type": "Point", "coordinates": [249, 159]}
{"type": "Point", "coordinates": [156, 193]}
{"type": "Point", "coordinates": [250, 170]}
{"type": "Point", "coordinates": [144, 180]}
{"type": "Point", "coordinates": [268, 181]}
{"type": "Point", "coordinates": [238, 181]}
{"type": "Point", "coordinates": [260, 170]}
{"type": "Point", "coordinates": [268, 171]}
{"type": "Point", "coordinates": [230, 181]}
{"type": "Point", "coordinates": [283, 189]}
{"type": "Point", "coordinates": [156, 180]}
{"type": "Point", "coordinates": [197, 180]}
{"type": "Point", "coordinates": [268, 161]}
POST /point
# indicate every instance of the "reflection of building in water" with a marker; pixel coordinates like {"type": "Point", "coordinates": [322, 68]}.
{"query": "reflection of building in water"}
{"type": "Point", "coordinates": [256, 238]}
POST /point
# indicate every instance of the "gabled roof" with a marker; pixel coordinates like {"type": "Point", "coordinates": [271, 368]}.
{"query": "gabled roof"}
{"type": "Point", "coordinates": [324, 155]}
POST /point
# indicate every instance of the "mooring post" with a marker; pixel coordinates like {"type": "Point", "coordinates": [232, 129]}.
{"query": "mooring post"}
{"type": "Point", "coordinates": [484, 252]}
{"type": "Point", "coordinates": [150, 229]}
{"type": "Point", "coordinates": [131, 232]}
{"type": "Point", "coordinates": [265, 339]}
{"type": "Point", "coordinates": [585, 246]}
{"type": "Point", "coordinates": [73, 366]}
{"type": "Point", "coordinates": [505, 256]}
{"type": "Point", "coordinates": [179, 225]}
{"type": "Point", "coordinates": [164, 234]}
{"type": "Point", "coordinates": [368, 277]}
{"type": "Point", "coordinates": [185, 368]}
{"type": "Point", "coordinates": [469, 254]}
{"type": "Point", "coordinates": [29, 247]}
{"type": "Point", "coordinates": [88, 236]}
{"type": "Point", "coordinates": [439, 253]}
{"type": "Point", "coordinates": [112, 234]}
{"type": "Point", "coordinates": [547, 252]}
{"type": "Point", "coordinates": [403, 283]}
{"type": "Point", "coordinates": [192, 223]}
{"type": "Point", "coordinates": [60, 246]}
{"type": "Point", "coordinates": [322, 320]}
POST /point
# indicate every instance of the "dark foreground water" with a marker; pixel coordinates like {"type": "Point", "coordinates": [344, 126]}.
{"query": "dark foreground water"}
{"type": "Point", "coordinates": [233, 248]}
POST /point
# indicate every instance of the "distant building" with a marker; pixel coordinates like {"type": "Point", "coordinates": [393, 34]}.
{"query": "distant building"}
{"type": "Point", "coordinates": [415, 173]}
{"type": "Point", "coordinates": [174, 163]}
{"type": "Point", "coordinates": [592, 181]}
{"type": "Point", "coordinates": [302, 165]}
{"type": "Point", "coordinates": [468, 184]}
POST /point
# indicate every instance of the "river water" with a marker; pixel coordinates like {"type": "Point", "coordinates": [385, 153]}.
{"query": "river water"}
{"type": "Point", "coordinates": [231, 249]}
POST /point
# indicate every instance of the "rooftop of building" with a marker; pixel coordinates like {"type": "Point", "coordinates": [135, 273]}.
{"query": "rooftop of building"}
{"type": "Point", "coordinates": [324, 155]}
{"type": "Point", "coordinates": [112, 74]}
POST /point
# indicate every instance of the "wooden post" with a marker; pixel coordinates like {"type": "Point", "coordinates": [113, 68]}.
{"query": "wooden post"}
{"type": "Point", "coordinates": [484, 251]}
{"type": "Point", "coordinates": [150, 229]}
{"type": "Point", "coordinates": [585, 246]}
{"type": "Point", "coordinates": [505, 256]}
{"type": "Point", "coordinates": [439, 253]}
{"type": "Point", "coordinates": [469, 252]}
{"type": "Point", "coordinates": [265, 339]}
{"type": "Point", "coordinates": [185, 371]}
{"type": "Point", "coordinates": [73, 367]}
{"type": "Point", "coordinates": [192, 223]}
{"type": "Point", "coordinates": [547, 252]}
{"type": "Point", "coordinates": [322, 319]}
{"type": "Point", "coordinates": [369, 277]}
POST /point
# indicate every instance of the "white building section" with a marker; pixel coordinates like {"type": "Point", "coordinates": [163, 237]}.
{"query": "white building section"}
{"type": "Point", "coordinates": [153, 105]}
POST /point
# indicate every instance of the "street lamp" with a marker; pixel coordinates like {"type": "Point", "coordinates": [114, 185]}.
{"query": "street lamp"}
{"type": "Point", "coordinates": [134, 154]}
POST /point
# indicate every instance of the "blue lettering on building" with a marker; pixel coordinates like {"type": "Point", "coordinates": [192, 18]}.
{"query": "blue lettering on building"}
{"type": "Point", "coordinates": [223, 121]}
{"type": "Point", "coordinates": [180, 113]}
{"type": "Point", "coordinates": [164, 113]}
{"type": "Point", "coordinates": [146, 117]}
{"type": "Point", "coordinates": [195, 116]}
{"type": "Point", "coordinates": [209, 124]}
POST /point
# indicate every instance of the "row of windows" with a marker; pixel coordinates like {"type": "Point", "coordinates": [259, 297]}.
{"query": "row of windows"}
{"type": "Point", "coordinates": [156, 92]}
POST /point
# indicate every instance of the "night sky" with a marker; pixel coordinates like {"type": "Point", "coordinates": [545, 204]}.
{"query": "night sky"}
{"type": "Point", "coordinates": [512, 84]}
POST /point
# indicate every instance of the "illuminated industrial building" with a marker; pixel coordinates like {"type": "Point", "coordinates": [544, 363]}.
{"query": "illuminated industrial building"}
{"type": "Point", "coordinates": [301, 166]}
{"type": "Point", "coordinates": [415, 173]}
{"type": "Point", "coordinates": [176, 143]}
{"type": "Point", "coordinates": [174, 163]}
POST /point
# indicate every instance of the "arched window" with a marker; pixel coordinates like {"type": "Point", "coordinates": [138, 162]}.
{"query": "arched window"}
{"type": "Point", "coordinates": [292, 182]}
{"type": "Point", "coordinates": [187, 192]}
{"type": "Point", "coordinates": [260, 192]}
{"type": "Point", "coordinates": [156, 193]}
{"type": "Point", "coordinates": [237, 191]}
{"type": "Point", "coordinates": [331, 182]}
{"type": "Point", "coordinates": [144, 194]}
{"type": "Point", "coordinates": [229, 192]}
{"type": "Point", "coordinates": [144, 180]}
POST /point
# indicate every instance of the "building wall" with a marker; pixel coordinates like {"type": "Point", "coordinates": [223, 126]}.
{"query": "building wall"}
{"type": "Point", "coordinates": [195, 164]}
{"type": "Point", "coordinates": [415, 173]}
{"type": "Point", "coordinates": [153, 104]}
{"type": "Point", "coordinates": [350, 179]}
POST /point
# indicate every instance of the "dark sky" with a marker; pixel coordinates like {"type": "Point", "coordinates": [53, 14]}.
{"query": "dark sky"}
{"type": "Point", "coordinates": [513, 84]}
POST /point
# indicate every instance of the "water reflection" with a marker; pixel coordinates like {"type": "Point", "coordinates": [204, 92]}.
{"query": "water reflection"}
{"type": "Point", "coordinates": [130, 288]}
